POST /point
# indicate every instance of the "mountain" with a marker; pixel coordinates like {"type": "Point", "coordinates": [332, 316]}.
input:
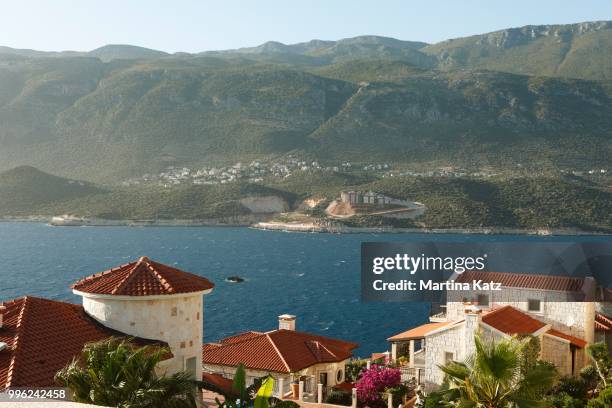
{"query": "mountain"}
{"type": "Point", "coordinates": [318, 52]}
{"type": "Point", "coordinates": [106, 53]}
{"type": "Point", "coordinates": [25, 189]}
{"type": "Point", "coordinates": [123, 111]}
{"type": "Point", "coordinates": [37, 54]}
{"type": "Point", "coordinates": [581, 50]}
{"type": "Point", "coordinates": [121, 51]}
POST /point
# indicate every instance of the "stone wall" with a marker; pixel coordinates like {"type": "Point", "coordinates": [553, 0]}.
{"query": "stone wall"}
{"type": "Point", "coordinates": [575, 318]}
{"type": "Point", "coordinates": [557, 352]}
{"type": "Point", "coordinates": [451, 340]}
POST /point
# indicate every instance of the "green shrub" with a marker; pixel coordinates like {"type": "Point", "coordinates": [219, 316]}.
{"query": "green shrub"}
{"type": "Point", "coordinates": [354, 368]}
{"type": "Point", "coordinates": [433, 400]}
{"type": "Point", "coordinates": [338, 397]}
{"type": "Point", "coordinates": [574, 387]}
{"type": "Point", "coordinates": [564, 400]}
{"type": "Point", "coordinates": [604, 400]}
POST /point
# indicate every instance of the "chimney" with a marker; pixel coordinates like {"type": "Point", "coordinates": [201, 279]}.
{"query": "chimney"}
{"type": "Point", "coordinates": [589, 289]}
{"type": "Point", "coordinates": [286, 322]}
{"type": "Point", "coordinates": [2, 311]}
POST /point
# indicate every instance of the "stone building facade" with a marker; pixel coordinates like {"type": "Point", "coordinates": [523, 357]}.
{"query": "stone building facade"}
{"type": "Point", "coordinates": [565, 314]}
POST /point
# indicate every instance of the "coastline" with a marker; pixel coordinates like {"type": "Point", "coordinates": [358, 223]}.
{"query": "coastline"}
{"type": "Point", "coordinates": [312, 228]}
{"type": "Point", "coordinates": [266, 223]}
{"type": "Point", "coordinates": [245, 221]}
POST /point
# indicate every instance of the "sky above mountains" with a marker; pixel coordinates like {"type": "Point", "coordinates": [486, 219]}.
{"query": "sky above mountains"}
{"type": "Point", "coordinates": [196, 25]}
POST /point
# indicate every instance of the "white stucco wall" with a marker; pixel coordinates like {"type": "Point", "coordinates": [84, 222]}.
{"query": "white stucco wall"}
{"type": "Point", "coordinates": [175, 319]}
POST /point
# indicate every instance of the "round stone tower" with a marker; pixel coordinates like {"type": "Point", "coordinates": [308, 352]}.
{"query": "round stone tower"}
{"type": "Point", "coordinates": [150, 300]}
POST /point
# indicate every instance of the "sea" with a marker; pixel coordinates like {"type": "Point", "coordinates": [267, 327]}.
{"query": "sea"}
{"type": "Point", "coordinates": [311, 275]}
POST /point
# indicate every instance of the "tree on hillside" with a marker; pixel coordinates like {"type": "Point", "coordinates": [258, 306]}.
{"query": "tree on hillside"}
{"type": "Point", "coordinates": [114, 372]}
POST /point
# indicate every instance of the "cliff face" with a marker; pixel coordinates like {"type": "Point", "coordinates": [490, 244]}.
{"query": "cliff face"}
{"type": "Point", "coordinates": [573, 50]}
{"type": "Point", "coordinates": [265, 205]}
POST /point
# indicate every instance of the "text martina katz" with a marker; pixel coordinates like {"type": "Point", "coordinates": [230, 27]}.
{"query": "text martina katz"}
{"type": "Point", "coordinates": [414, 264]}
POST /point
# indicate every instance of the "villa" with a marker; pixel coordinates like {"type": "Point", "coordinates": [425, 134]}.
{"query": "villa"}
{"type": "Point", "coordinates": [284, 353]}
{"type": "Point", "coordinates": [565, 313]}
{"type": "Point", "coordinates": [146, 300]}
{"type": "Point", "coordinates": [156, 304]}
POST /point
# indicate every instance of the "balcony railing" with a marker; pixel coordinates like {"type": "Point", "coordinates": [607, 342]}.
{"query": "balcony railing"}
{"type": "Point", "coordinates": [412, 375]}
{"type": "Point", "coordinates": [277, 392]}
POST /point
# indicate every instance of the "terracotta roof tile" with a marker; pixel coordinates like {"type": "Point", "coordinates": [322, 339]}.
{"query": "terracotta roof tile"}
{"type": "Point", "coordinates": [240, 337]}
{"type": "Point", "coordinates": [510, 320]}
{"type": "Point", "coordinates": [142, 278]}
{"type": "Point", "coordinates": [603, 322]}
{"type": "Point", "coordinates": [528, 281]}
{"type": "Point", "coordinates": [573, 340]}
{"type": "Point", "coordinates": [42, 337]}
{"type": "Point", "coordinates": [418, 332]}
{"type": "Point", "coordinates": [283, 351]}
{"type": "Point", "coordinates": [224, 384]}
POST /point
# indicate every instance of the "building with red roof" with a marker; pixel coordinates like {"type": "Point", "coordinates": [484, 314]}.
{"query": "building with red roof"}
{"type": "Point", "coordinates": [38, 337]}
{"type": "Point", "coordinates": [565, 313]}
{"type": "Point", "coordinates": [284, 353]}
{"type": "Point", "coordinates": [146, 300]}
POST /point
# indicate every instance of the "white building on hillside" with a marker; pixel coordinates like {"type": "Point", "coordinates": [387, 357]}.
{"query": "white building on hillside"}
{"type": "Point", "coordinates": [563, 312]}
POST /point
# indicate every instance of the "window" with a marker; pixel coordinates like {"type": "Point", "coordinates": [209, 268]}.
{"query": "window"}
{"type": "Point", "coordinates": [190, 366]}
{"type": "Point", "coordinates": [339, 376]}
{"type": "Point", "coordinates": [534, 305]}
{"type": "Point", "coordinates": [323, 379]}
{"type": "Point", "coordinates": [483, 300]}
{"type": "Point", "coordinates": [449, 356]}
{"type": "Point", "coordinates": [173, 311]}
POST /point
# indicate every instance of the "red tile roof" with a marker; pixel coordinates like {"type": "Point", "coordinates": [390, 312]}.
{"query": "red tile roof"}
{"type": "Point", "coordinates": [603, 322]}
{"type": "Point", "coordinates": [523, 280]}
{"type": "Point", "coordinates": [240, 337]}
{"type": "Point", "coordinates": [222, 383]}
{"type": "Point", "coordinates": [418, 332]}
{"type": "Point", "coordinates": [142, 278]}
{"type": "Point", "coordinates": [283, 351]}
{"type": "Point", "coordinates": [378, 356]}
{"type": "Point", "coordinates": [573, 340]}
{"type": "Point", "coordinates": [509, 320]}
{"type": "Point", "coordinates": [42, 337]}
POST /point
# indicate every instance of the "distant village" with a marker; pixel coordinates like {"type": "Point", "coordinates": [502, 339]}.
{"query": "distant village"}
{"type": "Point", "coordinates": [258, 171]}
{"type": "Point", "coordinates": [254, 172]}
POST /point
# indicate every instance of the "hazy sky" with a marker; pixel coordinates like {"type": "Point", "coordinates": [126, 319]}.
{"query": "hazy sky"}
{"type": "Point", "coordinates": [191, 25]}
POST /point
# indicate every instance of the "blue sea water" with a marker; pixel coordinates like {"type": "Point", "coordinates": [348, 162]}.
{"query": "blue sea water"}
{"type": "Point", "coordinates": [314, 276]}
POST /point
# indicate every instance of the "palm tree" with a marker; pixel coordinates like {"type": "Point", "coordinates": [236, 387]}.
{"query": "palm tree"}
{"type": "Point", "coordinates": [495, 378]}
{"type": "Point", "coordinates": [114, 372]}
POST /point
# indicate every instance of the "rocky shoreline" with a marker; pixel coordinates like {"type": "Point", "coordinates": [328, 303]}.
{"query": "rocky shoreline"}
{"type": "Point", "coordinates": [313, 228]}
{"type": "Point", "coordinates": [266, 223]}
